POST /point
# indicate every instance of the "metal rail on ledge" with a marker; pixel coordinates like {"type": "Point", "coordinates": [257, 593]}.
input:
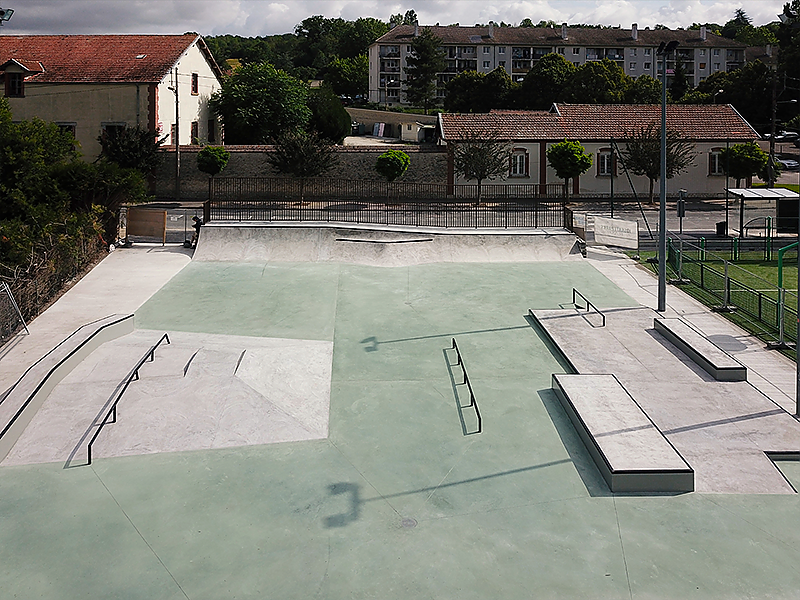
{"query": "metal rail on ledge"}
{"type": "Point", "coordinates": [575, 294]}
{"type": "Point", "coordinates": [472, 402]}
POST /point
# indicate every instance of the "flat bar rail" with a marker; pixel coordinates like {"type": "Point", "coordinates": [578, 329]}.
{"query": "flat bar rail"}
{"type": "Point", "coordinates": [472, 402]}
{"type": "Point", "coordinates": [132, 376]}
{"type": "Point", "coordinates": [575, 294]}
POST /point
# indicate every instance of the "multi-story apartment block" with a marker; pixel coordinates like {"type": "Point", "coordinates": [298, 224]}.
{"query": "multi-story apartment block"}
{"type": "Point", "coordinates": [516, 49]}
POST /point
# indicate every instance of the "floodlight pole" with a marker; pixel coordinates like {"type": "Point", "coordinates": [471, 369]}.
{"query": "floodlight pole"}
{"type": "Point", "coordinates": [663, 50]}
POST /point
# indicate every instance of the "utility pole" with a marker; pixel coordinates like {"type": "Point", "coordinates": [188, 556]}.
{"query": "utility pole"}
{"type": "Point", "coordinates": [663, 50]}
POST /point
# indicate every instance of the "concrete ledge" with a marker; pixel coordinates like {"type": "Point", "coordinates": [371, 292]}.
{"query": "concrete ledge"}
{"type": "Point", "coordinates": [628, 449]}
{"type": "Point", "coordinates": [719, 364]}
{"type": "Point", "coordinates": [30, 391]}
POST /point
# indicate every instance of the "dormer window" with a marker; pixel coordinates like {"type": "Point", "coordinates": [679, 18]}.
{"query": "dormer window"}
{"type": "Point", "coordinates": [15, 87]}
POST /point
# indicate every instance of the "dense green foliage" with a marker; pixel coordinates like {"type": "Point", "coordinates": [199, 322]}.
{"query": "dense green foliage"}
{"type": "Point", "coordinates": [568, 159]}
{"type": "Point", "coordinates": [642, 153]}
{"type": "Point", "coordinates": [392, 164]}
{"type": "Point", "coordinates": [547, 81]}
{"type": "Point", "coordinates": [349, 76]}
{"type": "Point", "coordinates": [212, 159]}
{"type": "Point", "coordinates": [302, 154]}
{"type": "Point", "coordinates": [258, 102]}
{"type": "Point", "coordinates": [480, 157]}
{"type": "Point", "coordinates": [473, 92]}
{"type": "Point", "coordinates": [132, 148]}
{"type": "Point", "coordinates": [328, 117]}
{"type": "Point", "coordinates": [423, 64]}
{"type": "Point", "coordinates": [741, 161]}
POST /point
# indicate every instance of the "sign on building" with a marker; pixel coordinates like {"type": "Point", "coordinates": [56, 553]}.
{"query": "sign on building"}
{"type": "Point", "coordinates": [616, 232]}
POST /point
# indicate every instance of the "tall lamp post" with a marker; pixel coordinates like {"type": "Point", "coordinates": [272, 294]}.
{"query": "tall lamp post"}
{"type": "Point", "coordinates": [663, 50]}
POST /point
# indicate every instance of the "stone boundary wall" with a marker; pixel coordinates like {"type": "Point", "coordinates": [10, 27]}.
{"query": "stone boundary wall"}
{"type": "Point", "coordinates": [428, 165]}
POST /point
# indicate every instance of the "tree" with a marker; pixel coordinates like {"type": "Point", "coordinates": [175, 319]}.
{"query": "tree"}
{"type": "Point", "coordinates": [789, 39]}
{"type": "Point", "coordinates": [259, 102]}
{"type": "Point", "coordinates": [408, 19]}
{"type": "Point", "coordinates": [734, 26]}
{"type": "Point", "coordinates": [642, 153]}
{"type": "Point", "coordinates": [392, 164]}
{"type": "Point", "coordinates": [644, 90]}
{"type": "Point", "coordinates": [132, 148]}
{"type": "Point", "coordinates": [360, 35]}
{"type": "Point", "coordinates": [748, 89]}
{"type": "Point", "coordinates": [569, 160]}
{"type": "Point", "coordinates": [547, 81]}
{"type": "Point", "coordinates": [302, 155]}
{"type": "Point", "coordinates": [328, 117]}
{"type": "Point", "coordinates": [425, 62]}
{"type": "Point", "coordinates": [481, 156]}
{"type": "Point", "coordinates": [598, 82]}
{"type": "Point", "coordinates": [349, 76]}
{"type": "Point", "coordinates": [212, 159]}
{"type": "Point", "coordinates": [471, 91]}
{"type": "Point", "coordinates": [741, 161]}
{"type": "Point", "coordinates": [680, 83]}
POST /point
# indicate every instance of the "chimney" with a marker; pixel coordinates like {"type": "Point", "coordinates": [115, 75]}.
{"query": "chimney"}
{"type": "Point", "coordinates": [416, 28]}
{"type": "Point", "coordinates": [635, 32]}
{"type": "Point", "coordinates": [491, 29]}
{"type": "Point", "coordinates": [703, 33]}
{"type": "Point", "coordinates": [564, 31]}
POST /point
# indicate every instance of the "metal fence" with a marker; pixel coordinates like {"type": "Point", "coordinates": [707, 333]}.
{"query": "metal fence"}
{"type": "Point", "coordinates": [500, 215]}
{"type": "Point", "coordinates": [772, 307]}
{"type": "Point", "coordinates": [286, 189]}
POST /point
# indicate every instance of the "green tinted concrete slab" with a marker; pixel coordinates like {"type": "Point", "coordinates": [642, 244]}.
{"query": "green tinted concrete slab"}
{"type": "Point", "coordinates": [263, 300]}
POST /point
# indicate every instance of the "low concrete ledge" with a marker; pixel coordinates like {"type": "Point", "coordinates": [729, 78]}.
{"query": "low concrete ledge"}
{"type": "Point", "coordinates": [628, 449]}
{"type": "Point", "coordinates": [30, 391]}
{"type": "Point", "coordinates": [718, 363]}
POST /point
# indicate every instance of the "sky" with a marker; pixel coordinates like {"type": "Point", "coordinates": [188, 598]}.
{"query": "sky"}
{"type": "Point", "coordinates": [268, 17]}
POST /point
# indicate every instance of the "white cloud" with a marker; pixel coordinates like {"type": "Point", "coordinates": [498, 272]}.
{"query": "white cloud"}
{"type": "Point", "coordinates": [266, 17]}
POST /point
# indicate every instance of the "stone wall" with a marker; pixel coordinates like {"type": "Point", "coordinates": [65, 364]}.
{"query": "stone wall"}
{"type": "Point", "coordinates": [428, 165]}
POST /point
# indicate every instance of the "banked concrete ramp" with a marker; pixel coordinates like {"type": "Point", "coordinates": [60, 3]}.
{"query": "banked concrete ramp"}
{"type": "Point", "coordinates": [390, 247]}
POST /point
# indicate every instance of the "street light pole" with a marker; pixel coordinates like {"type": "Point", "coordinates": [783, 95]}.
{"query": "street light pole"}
{"type": "Point", "coordinates": [663, 50]}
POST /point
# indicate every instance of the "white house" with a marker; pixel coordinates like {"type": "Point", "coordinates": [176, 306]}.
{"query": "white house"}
{"type": "Point", "coordinates": [90, 84]}
{"type": "Point", "coordinates": [598, 127]}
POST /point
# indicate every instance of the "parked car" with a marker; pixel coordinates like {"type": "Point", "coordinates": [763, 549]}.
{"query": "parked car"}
{"type": "Point", "coordinates": [789, 164]}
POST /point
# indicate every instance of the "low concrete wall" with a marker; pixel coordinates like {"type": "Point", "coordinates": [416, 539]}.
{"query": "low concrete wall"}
{"type": "Point", "coordinates": [428, 165]}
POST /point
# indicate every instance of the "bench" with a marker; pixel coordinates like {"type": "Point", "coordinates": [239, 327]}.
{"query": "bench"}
{"type": "Point", "coordinates": [718, 363]}
{"type": "Point", "coordinates": [28, 394]}
{"type": "Point", "coordinates": [628, 449]}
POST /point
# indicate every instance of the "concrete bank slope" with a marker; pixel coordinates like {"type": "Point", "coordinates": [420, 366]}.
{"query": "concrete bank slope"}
{"type": "Point", "coordinates": [380, 246]}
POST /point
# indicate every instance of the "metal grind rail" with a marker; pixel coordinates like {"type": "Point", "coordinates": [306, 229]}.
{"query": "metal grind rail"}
{"type": "Point", "coordinates": [472, 402]}
{"type": "Point", "coordinates": [132, 376]}
{"type": "Point", "coordinates": [575, 294]}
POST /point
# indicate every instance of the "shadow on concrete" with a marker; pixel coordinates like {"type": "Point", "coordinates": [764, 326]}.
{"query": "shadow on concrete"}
{"type": "Point", "coordinates": [372, 342]}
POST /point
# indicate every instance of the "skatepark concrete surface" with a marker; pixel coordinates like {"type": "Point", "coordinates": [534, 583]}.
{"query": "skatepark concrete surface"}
{"type": "Point", "coordinates": [390, 247]}
{"type": "Point", "coordinates": [199, 490]}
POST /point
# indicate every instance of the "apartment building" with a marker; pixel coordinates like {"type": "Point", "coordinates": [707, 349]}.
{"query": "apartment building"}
{"type": "Point", "coordinates": [516, 49]}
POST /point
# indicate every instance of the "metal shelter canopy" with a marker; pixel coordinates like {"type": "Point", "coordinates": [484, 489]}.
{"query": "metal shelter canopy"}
{"type": "Point", "coordinates": [762, 193]}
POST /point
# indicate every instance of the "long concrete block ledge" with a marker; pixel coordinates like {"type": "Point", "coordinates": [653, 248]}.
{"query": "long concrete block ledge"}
{"type": "Point", "coordinates": [628, 449]}
{"type": "Point", "coordinates": [28, 394]}
{"type": "Point", "coordinates": [718, 363]}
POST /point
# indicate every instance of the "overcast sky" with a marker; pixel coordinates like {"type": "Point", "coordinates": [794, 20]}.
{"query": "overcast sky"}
{"type": "Point", "coordinates": [267, 17]}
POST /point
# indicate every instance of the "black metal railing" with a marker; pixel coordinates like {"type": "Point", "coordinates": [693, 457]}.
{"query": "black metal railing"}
{"type": "Point", "coordinates": [576, 294]}
{"type": "Point", "coordinates": [132, 376]}
{"type": "Point", "coordinates": [472, 403]}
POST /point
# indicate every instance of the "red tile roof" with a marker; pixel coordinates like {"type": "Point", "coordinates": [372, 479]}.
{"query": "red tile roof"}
{"type": "Point", "coordinates": [98, 58]}
{"type": "Point", "coordinates": [587, 122]}
{"type": "Point", "coordinates": [576, 36]}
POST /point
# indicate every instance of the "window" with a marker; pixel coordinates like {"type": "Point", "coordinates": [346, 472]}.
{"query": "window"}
{"type": "Point", "coordinates": [702, 65]}
{"type": "Point", "coordinates": [195, 132]}
{"type": "Point", "coordinates": [502, 63]}
{"type": "Point", "coordinates": [173, 139]}
{"type": "Point", "coordinates": [15, 87]}
{"type": "Point", "coordinates": [111, 130]}
{"type": "Point", "coordinates": [632, 66]}
{"type": "Point", "coordinates": [519, 163]}
{"type": "Point", "coordinates": [486, 64]}
{"type": "Point", "coordinates": [633, 51]}
{"type": "Point", "coordinates": [68, 127]}
{"type": "Point", "coordinates": [716, 51]}
{"type": "Point", "coordinates": [212, 131]}
{"type": "Point", "coordinates": [702, 51]}
{"type": "Point", "coordinates": [195, 85]}
{"type": "Point", "coordinates": [716, 66]}
{"type": "Point", "coordinates": [647, 66]}
{"type": "Point", "coordinates": [605, 163]}
{"type": "Point", "coordinates": [561, 50]}
{"type": "Point", "coordinates": [487, 50]}
{"type": "Point", "coordinates": [501, 50]}
{"type": "Point", "coordinates": [576, 51]}
{"type": "Point", "coordinates": [647, 51]}
{"type": "Point", "coordinates": [408, 48]}
{"type": "Point", "coordinates": [715, 162]}
{"type": "Point", "coordinates": [408, 127]}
